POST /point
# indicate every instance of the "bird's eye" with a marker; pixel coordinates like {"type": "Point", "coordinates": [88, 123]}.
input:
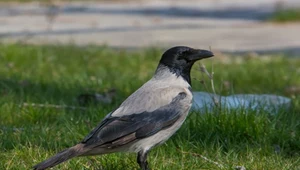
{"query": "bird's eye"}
{"type": "Point", "coordinates": [186, 52]}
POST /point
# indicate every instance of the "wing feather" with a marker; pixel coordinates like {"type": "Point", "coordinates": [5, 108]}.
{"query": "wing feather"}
{"type": "Point", "coordinates": [116, 131]}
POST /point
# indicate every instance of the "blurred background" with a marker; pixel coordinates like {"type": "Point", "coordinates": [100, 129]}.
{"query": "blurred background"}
{"type": "Point", "coordinates": [223, 25]}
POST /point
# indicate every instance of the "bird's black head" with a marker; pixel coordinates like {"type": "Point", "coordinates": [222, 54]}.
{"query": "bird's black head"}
{"type": "Point", "coordinates": [180, 60]}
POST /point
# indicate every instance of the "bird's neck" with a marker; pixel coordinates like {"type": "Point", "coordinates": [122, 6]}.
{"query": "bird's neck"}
{"type": "Point", "coordinates": [165, 72]}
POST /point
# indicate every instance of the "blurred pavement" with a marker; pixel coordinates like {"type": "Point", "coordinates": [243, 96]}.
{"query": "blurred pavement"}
{"type": "Point", "coordinates": [223, 25]}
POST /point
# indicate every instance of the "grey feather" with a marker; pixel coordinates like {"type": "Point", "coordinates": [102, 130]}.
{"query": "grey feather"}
{"type": "Point", "coordinates": [157, 92]}
{"type": "Point", "coordinates": [116, 131]}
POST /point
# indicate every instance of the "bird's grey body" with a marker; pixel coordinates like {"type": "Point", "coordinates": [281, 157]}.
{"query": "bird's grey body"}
{"type": "Point", "coordinates": [147, 118]}
{"type": "Point", "coordinates": [156, 93]}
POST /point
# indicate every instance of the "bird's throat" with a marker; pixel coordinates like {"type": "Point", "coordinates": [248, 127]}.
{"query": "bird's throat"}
{"type": "Point", "coordinates": [162, 72]}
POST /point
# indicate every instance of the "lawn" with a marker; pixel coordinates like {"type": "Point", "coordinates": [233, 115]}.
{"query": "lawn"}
{"type": "Point", "coordinates": [286, 15]}
{"type": "Point", "coordinates": [58, 74]}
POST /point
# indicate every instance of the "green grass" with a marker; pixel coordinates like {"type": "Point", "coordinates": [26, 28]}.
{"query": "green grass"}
{"type": "Point", "coordinates": [57, 74]}
{"type": "Point", "coordinates": [287, 15]}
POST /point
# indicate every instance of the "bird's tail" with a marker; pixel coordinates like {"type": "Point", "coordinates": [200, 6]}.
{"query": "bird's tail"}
{"type": "Point", "coordinates": [60, 157]}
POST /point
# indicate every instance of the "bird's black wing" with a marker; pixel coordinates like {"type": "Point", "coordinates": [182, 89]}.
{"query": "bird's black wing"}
{"type": "Point", "coordinates": [116, 131]}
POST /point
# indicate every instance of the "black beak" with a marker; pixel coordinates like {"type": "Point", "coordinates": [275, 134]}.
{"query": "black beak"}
{"type": "Point", "coordinates": [200, 54]}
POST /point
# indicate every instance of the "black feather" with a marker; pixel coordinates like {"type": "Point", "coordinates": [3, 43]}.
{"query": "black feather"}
{"type": "Point", "coordinates": [59, 158]}
{"type": "Point", "coordinates": [145, 124]}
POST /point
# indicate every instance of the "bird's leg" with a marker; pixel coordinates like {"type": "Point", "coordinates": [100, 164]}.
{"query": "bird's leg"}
{"type": "Point", "coordinates": [142, 160]}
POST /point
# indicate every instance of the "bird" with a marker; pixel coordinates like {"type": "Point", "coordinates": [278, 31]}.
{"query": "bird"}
{"type": "Point", "coordinates": [148, 117]}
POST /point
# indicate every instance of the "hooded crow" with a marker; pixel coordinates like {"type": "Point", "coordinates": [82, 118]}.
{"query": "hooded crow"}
{"type": "Point", "coordinates": [148, 117]}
